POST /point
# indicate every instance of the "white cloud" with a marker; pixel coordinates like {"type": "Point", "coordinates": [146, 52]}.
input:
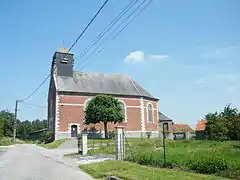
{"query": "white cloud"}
{"type": "Point", "coordinates": [158, 56]}
{"type": "Point", "coordinates": [136, 56]}
{"type": "Point", "coordinates": [200, 81]}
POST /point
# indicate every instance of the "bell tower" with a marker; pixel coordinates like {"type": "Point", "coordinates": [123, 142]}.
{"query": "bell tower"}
{"type": "Point", "coordinates": [62, 63]}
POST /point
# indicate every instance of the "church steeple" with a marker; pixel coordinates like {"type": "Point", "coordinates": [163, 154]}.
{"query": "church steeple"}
{"type": "Point", "coordinates": [62, 63]}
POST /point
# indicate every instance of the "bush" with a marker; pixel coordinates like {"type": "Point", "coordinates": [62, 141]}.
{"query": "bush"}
{"type": "Point", "coordinates": [47, 137]}
{"type": "Point", "coordinates": [208, 165]}
{"type": "Point", "coordinates": [111, 134]}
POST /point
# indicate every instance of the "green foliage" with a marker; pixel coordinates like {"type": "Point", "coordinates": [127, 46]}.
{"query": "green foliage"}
{"type": "Point", "coordinates": [132, 171]}
{"type": "Point", "coordinates": [111, 134]}
{"type": "Point", "coordinates": [208, 165]}
{"type": "Point", "coordinates": [47, 137]}
{"type": "Point", "coordinates": [103, 108]}
{"type": "Point", "coordinates": [224, 125]}
{"type": "Point", "coordinates": [205, 156]}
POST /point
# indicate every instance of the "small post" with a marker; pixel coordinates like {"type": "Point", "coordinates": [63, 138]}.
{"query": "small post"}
{"type": "Point", "coordinates": [165, 126]}
{"type": "Point", "coordinates": [120, 143]}
{"type": "Point", "coordinates": [84, 144]}
{"type": "Point", "coordinates": [187, 135]}
{"type": "Point", "coordinates": [15, 122]}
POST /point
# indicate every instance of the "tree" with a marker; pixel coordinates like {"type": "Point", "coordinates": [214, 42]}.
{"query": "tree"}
{"type": "Point", "coordinates": [7, 121]}
{"type": "Point", "coordinates": [103, 108]}
{"type": "Point", "coordinates": [224, 125]}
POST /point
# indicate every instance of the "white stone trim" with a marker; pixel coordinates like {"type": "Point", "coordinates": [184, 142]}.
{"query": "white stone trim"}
{"type": "Point", "coordinates": [142, 114]}
{"type": "Point", "coordinates": [55, 81]}
{"type": "Point", "coordinates": [125, 109]}
{"type": "Point", "coordinates": [154, 109]}
{"type": "Point", "coordinates": [69, 104]}
{"type": "Point", "coordinates": [57, 113]}
{"type": "Point", "coordinates": [78, 128]}
{"type": "Point", "coordinates": [152, 113]}
{"type": "Point", "coordinates": [66, 132]}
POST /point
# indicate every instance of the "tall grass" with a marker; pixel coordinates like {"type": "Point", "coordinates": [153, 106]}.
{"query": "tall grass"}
{"type": "Point", "coordinates": [209, 157]}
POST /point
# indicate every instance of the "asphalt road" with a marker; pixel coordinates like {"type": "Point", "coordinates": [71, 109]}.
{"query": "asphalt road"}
{"type": "Point", "coordinates": [25, 162]}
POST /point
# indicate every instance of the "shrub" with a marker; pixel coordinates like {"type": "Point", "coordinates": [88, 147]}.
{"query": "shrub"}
{"type": "Point", "coordinates": [148, 134]}
{"type": "Point", "coordinates": [208, 165]}
{"type": "Point", "coordinates": [111, 134]}
{"type": "Point", "coordinates": [47, 137]}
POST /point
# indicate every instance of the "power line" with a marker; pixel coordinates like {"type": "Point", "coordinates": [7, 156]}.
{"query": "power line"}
{"type": "Point", "coordinates": [108, 28]}
{"type": "Point", "coordinates": [33, 105]}
{"type": "Point", "coordinates": [81, 34]}
{"type": "Point", "coordinates": [129, 16]}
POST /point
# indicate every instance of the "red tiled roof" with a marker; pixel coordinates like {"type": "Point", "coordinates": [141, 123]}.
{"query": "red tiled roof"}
{"type": "Point", "coordinates": [182, 128]}
{"type": "Point", "coordinates": [201, 125]}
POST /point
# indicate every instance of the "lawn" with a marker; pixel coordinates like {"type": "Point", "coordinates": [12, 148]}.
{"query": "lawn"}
{"type": "Point", "coordinates": [53, 144]}
{"type": "Point", "coordinates": [133, 171]}
{"type": "Point", "coordinates": [208, 157]}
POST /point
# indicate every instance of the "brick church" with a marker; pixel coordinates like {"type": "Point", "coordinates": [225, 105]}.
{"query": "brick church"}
{"type": "Point", "coordinates": [70, 92]}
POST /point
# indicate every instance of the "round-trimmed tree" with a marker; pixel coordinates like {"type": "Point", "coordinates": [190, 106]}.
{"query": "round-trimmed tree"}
{"type": "Point", "coordinates": [103, 108]}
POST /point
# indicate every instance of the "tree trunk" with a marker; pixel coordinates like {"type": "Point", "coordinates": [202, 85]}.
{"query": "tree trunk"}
{"type": "Point", "coordinates": [105, 130]}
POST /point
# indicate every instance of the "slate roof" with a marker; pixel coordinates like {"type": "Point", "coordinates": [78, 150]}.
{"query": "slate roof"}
{"type": "Point", "coordinates": [201, 125]}
{"type": "Point", "coordinates": [163, 117]}
{"type": "Point", "coordinates": [101, 83]}
{"type": "Point", "coordinates": [182, 128]}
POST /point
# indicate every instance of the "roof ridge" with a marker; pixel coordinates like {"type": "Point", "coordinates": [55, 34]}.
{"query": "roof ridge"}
{"type": "Point", "coordinates": [134, 85]}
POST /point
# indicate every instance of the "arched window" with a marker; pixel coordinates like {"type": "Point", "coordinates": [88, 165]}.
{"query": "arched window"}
{"type": "Point", "coordinates": [150, 113]}
{"type": "Point", "coordinates": [123, 108]}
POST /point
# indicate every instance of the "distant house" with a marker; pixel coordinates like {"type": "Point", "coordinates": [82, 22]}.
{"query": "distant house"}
{"type": "Point", "coordinates": [179, 131]}
{"type": "Point", "coordinates": [200, 130]}
{"type": "Point", "coordinates": [162, 120]}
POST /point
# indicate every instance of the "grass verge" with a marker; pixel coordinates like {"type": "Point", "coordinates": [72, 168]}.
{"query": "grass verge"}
{"type": "Point", "coordinates": [53, 144]}
{"type": "Point", "coordinates": [208, 157]}
{"type": "Point", "coordinates": [133, 171]}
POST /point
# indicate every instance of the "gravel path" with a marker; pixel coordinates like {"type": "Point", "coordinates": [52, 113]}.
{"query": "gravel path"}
{"type": "Point", "coordinates": [80, 160]}
{"type": "Point", "coordinates": [26, 162]}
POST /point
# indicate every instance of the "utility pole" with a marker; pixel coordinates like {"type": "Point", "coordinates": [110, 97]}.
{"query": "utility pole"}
{"type": "Point", "coordinates": [15, 121]}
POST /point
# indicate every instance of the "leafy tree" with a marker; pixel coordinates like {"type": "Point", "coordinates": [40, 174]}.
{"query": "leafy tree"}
{"type": "Point", "coordinates": [7, 121]}
{"type": "Point", "coordinates": [224, 125]}
{"type": "Point", "coordinates": [103, 108]}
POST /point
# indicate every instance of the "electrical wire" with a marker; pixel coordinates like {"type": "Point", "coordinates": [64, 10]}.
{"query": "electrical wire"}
{"type": "Point", "coordinates": [33, 105]}
{"type": "Point", "coordinates": [115, 30]}
{"type": "Point", "coordinates": [108, 28]}
{"type": "Point", "coordinates": [81, 34]}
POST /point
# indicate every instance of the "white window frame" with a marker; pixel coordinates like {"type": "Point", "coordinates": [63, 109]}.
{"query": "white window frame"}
{"type": "Point", "coordinates": [152, 113]}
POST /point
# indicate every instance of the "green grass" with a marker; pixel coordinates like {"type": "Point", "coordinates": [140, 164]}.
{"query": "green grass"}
{"type": "Point", "coordinates": [7, 141]}
{"type": "Point", "coordinates": [185, 155]}
{"type": "Point", "coordinates": [71, 154]}
{"type": "Point", "coordinates": [53, 144]}
{"type": "Point", "coordinates": [133, 171]}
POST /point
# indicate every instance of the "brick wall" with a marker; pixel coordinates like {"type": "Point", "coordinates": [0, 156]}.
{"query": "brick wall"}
{"type": "Point", "coordinates": [71, 110]}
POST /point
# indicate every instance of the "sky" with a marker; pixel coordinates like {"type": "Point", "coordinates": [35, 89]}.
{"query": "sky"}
{"type": "Point", "coordinates": [186, 53]}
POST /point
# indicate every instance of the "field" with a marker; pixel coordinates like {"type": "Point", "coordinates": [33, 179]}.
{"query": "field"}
{"type": "Point", "coordinates": [206, 157]}
{"type": "Point", "coordinates": [133, 171]}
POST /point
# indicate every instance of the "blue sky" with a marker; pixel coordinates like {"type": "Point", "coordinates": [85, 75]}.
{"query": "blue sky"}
{"type": "Point", "coordinates": [185, 53]}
